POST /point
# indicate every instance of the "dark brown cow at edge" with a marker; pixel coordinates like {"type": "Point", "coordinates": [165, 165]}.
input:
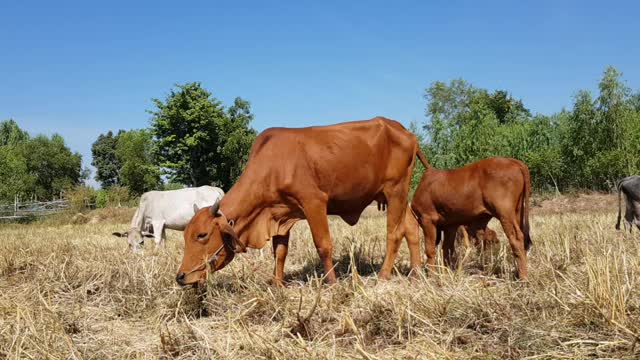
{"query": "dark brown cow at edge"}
{"type": "Point", "coordinates": [306, 173]}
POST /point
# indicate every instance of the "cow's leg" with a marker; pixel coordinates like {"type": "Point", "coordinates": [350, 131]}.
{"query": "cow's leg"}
{"type": "Point", "coordinates": [516, 240]}
{"type": "Point", "coordinates": [629, 215]}
{"type": "Point", "coordinates": [316, 214]}
{"type": "Point", "coordinates": [412, 233]}
{"type": "Point", "coordinates": [280, 250]}
{"type": "Point", "coordinates": [396, 207]}
{"type": "Point", "coordinates": [477, 231]}
{"type": "Point", "coordinates": [635, 215]}
{"type": "Point", "coordinates": [430, 230]}
{"type": "Point", "coordinates": [158, 233]}
{"type": "Point", "coordinates": [449, 247]}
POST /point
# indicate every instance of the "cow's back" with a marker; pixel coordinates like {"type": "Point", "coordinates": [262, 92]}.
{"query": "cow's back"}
{"type": "Point", "coordinates": [630, 186]}
{"type": "Point", "coordinates": [175, 207]}
{"type": "Point", "coordinates": [471, 190]}
{"type": "Point", "coordinates": [349, 162]}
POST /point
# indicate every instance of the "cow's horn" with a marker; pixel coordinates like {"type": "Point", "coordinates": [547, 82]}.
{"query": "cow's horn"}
{"type": "Point", "coordinates": [214, 208]}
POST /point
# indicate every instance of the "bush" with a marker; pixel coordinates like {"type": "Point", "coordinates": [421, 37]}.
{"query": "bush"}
{"type": "Point", "coordinates": [102, 198]}
{"type": "Point", "coordinates": [172, 186]}
{"type": "Point", "coordinates": [80, 198]}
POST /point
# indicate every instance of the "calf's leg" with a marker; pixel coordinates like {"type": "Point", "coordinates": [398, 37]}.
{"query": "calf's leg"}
{"type": "Point", "coordinates": [449, 248]}
{"type": "Point", "coordinates": [516, 240]}
{"type": "Point", "coordinates": [430, 231]}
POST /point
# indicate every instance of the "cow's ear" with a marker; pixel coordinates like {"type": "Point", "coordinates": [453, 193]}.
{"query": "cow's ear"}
{"type": "Point", "coordinates": [213, 210]}
{"type": "Point", "coordinates": [231, 238]}
{"type": "Point", "coordinates": [195, 208]}
{"type": "Point", "coordinates": [119, 234]}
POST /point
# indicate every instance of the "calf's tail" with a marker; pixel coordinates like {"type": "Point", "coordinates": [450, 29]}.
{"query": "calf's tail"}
{"type": "Point", "coordinates": [524, 222]}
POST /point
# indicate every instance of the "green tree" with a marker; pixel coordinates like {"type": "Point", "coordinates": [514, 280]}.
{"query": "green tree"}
{"type": "Point", "coordinates": [11, 133]}
{"type": "Point", "coordinates": [52, 164]}
{"type": "Point", "coordinates": [418, 169]}
{"type": "Point", "coordinates": [237, 137]}
{"type": "Point", "coordinates": [16, 179]}
{"type": "Point", "coordinates": [578, 143]}
{"type": "Point", "coordinates": [506, 108]}
{"type": "Point", "coordinates": [447, 105]}
{"type": "Point", "coordinates": [105, 161]}
{"type": "Point", "coordinates": [134, 153]}
{"type": "Point", "coordinates": [198, 141]}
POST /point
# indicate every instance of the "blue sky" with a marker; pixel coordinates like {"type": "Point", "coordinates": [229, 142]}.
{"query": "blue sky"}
{"type": "Point", "coordinates": [82, 68]}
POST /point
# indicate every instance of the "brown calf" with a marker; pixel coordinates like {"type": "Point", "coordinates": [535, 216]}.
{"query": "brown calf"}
{"type": "Point", "coordinates": [473, 194]}
{"type": "Point", "coordinates": [482, 238]}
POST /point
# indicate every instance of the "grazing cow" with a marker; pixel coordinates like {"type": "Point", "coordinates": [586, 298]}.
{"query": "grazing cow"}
{"type": "Point", "coordinates": [305, 173]}
{"type": "Point", "coordinates": [630, 186]}
{"type": "Point", "coordinates": [172, 209]}
{"type": "Point", "coordinates": [473, 194]}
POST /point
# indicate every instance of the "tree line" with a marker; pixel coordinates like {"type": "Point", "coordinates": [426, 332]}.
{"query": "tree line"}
{"type": "Point", "coordinates": [193, 139]}
{"type": "Point", "coordinates": [38, 167]}
{"type": "Point", "coordinates": [587, 147]}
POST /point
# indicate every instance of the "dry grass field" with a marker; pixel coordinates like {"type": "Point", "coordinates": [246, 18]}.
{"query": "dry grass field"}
{"type": "Point", "coordinates": [74, 291]}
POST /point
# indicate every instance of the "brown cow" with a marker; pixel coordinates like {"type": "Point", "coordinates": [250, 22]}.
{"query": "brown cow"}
{"type": "Point", "coordinates": [473, 194]}
{"type": "Point", "coordinates": [305, 173]}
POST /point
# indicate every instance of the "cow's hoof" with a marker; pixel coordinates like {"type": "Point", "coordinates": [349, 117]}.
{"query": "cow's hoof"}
{"type": "Point", "coordinates": [384, 276]}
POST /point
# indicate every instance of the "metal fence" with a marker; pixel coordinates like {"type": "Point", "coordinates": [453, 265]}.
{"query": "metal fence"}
{"type": "Point", "coordinates": [19, 210]}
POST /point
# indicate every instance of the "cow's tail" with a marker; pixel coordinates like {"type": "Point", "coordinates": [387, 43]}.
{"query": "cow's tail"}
{"type": "Point", "coordinates": [524, 222]}
{"type": "Point", "coordinates": [422, 157]}
{"type": "Point", "coordinates": [619, 186]}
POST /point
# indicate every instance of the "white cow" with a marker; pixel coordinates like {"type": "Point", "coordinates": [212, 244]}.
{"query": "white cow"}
{"type": "Point", "coordinates": [172, 209]}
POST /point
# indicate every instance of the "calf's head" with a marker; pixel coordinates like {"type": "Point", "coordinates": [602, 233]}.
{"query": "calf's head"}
{"type": "Point", "coordinates": [210, 243]}
{"type": "Point", "coordinates": [135, 238]}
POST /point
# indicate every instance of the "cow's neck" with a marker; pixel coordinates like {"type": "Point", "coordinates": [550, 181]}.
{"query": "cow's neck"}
{"type": "Point", "coordinates": [256, 216]}
{"type": "Point", "coordinates": [241, 205]}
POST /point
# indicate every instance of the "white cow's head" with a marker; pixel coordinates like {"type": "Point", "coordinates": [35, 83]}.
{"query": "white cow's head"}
{"type": "Point", "coordinates": [135, 238]}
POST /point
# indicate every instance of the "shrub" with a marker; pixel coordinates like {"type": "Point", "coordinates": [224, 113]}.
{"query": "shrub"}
{"type": "Point", "coordinates": [80, 198]}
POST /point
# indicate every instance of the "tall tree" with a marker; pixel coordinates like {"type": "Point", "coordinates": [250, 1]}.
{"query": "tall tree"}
{"type": "Point", "coordinates": [506, 108]}
{"type": "Point", "coordinates": [134, 153]}
{"type": "Point", "coordinates": [11, 133]}
{"type": "Point", "coordinates": [14, 175]}
{"type": "Point", "coordinates": [198, 141]}
{"type": "Point", "coordinates": [237, 138]}
{"type": "Point", "coordinates": [54, 166]}
{"type": "Point", "coordinates": [104, 160]}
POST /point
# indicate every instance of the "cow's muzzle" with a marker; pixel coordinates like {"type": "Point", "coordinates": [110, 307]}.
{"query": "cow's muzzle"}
{"type": "Point", "coordinates": [180, 279]}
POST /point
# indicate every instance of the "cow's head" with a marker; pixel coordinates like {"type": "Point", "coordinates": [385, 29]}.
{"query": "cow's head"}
{"type": "Point", "coordinates": [135, 237]}
{"type": "Point", "coordinates": [210, 243]}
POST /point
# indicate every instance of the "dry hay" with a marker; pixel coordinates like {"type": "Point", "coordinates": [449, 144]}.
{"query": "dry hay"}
{"type": "Point", "coordinates": [74, 291]}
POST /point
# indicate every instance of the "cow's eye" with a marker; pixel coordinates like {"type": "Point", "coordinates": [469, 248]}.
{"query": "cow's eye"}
{"type": "Point", "coordinates": [202, 236]}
